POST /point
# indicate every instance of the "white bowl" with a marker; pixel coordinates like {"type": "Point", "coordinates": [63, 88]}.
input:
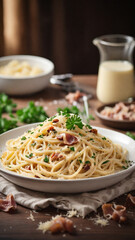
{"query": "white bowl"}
{"type": "Point", "coordinates": [30, 84]}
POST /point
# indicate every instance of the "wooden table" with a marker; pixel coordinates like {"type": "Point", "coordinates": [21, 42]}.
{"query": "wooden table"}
{"type": "Point", "coordinates": [20, 226]}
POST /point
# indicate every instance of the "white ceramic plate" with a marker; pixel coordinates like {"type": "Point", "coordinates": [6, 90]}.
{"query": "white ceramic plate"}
{"type": "Point", "coordinates": [69, 186]}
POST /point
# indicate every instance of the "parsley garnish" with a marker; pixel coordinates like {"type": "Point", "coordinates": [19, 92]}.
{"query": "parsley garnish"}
{"type": "Point", "coordinates": [103, 138]}
{"type": "Point", "coordinates": [91, 139]}
{"type": "Point", "coordinates": [80, 134]}
{"type": "Point", "coordinates": [46, 159]}
{"type": "Point", "coordinates": [72, 121]}
{"type": "Point", "coordinates": [87, 162]}
{"type": "Point", "coordinates": [105, 161]}
{"type": "Point", "coordinates": [124, 167]}
{"type": "Point", "coordinates": [33, 144]}
{"type": "Point", "coordinates": [23, 138]}
{"type": "Point", "coordinates": [29, 156]}
{"type": "Point", "coordinates": [93, 156]}
{"type": "Point", "coordinates": [72, 148]}
{"type": "Point", "coordinates": [51, 118]}
{"type": "Point", "coordinates": [41, 136]}
{"type": "Point", "coordinates": [66, 111]}
{"type": "Point", "coordinates": [79, 160]}
{"type": "Point", "coordinates": [88, 126]}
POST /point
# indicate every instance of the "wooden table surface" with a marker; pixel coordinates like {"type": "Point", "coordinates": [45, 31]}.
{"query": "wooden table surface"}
{"type": "Point", "coordinates": [20, 226]}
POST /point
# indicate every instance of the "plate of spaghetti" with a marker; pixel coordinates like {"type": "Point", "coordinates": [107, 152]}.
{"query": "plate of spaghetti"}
{"type": "Point", "coordinates": [64, 155]}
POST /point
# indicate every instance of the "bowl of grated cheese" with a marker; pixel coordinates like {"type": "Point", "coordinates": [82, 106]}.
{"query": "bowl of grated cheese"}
{"type": "Point", "coordinates": [24, 74]}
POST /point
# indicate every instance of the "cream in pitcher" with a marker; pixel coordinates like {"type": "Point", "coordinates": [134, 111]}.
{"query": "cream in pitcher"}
{"type": "Point", "coordinates": [116, 71]}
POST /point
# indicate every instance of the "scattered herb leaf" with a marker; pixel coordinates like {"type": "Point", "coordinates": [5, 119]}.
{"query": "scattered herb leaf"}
{"type": "Point", "coordinates": [46, 159]}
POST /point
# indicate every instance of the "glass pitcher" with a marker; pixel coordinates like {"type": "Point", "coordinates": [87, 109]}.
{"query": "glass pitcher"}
{"type": "Point", "coordinates": [116, 70]}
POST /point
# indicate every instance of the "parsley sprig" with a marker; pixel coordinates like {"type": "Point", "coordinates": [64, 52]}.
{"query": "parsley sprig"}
{"type": "Point", "coordinates": [73, 121]}
{"type": "Point", "coordinates": [66, 111]}
{"type": "Point", "coordinates": [31, 114]}
{"type": "Point", "coordinates": [6, 104]}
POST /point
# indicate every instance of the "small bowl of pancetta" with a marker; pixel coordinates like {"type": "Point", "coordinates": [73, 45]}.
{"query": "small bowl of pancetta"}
{"type": "Point", "coordinates": [120, 115]}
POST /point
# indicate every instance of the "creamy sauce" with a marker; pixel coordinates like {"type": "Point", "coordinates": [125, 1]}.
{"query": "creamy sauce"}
{"type": "Point", "coordinates": [115, 81]}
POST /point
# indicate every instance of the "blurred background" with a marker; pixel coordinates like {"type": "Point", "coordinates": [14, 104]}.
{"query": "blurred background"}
{"type": "Point", "coordinates": [63, 30]}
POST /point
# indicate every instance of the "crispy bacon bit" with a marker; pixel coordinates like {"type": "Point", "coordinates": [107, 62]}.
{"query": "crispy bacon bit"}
{"type": "Point", "coordinates": [130, 201]}
{"type": "Point", "coordinates": [51, 129]}
{"type": "Point", "coordinates": [115, 212]}
{"type": "Point", "coordinates": [61, 224]}
{"type": "Point", "coordinates": [56, 156]}
{"type": "Point", "coordinates": [55, 120]}
{"type": "Point", "coordinates": [71, 97]}
{"type": "Point", "coordinates": [8, 204]}
{"type": "Point", "coordinates": [67, 138]}
{"type": "Point", "coordinates": [87, 167]}
{"type": "Point", "coordinates": [28, 167]}
{"type": "Point", "coordinates": [94, 131]}
{"type": "Point", "coordinates": [37, 176]}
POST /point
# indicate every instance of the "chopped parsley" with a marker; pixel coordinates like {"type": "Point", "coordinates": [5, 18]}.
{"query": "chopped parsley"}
{"type": "Point", "coordinates": [87, 162]}
{"type": "Point", "coordinates": [51, 118]}
{"type": "Point", "coordinates": [79, 160]}
{"type": "Point", "coordinates": [72, 149]}
{"type": "Point", "coordinates": [41, 136]}
{"type": "Point", "coordinates": [23, 138]}
{"type": "Point", "coordinates": [33, 144]}
{"type": "Point", "coordinates": [88, 126]}
{"type": "Point", "coordinates": [105, 162]}
{"type": "Point", "coordinates": [124, 167]}
{"type": "Point", "coordinates": [103, 138]}
{"type": "Point", "coordinates": [91, 139]}
{"type": "Point", "coordinates": [46, 159]}
{"type": "Point", "coordinates": [93, 156]}
{"type": "Point", "coordinates": [29, 156]}
{"type": "Point", "coordinates": [80, 134]}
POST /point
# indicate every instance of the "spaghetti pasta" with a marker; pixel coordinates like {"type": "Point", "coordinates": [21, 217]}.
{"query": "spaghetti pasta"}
{"type": "Point", "coordinates": [52, 150]}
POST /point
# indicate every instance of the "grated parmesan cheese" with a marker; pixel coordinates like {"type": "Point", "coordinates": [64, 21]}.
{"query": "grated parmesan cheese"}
{"type": "Point", "coordinates": [100, 221]}
{"type": "Point", "coordinates": [31, 217]}
{"type": "Point", "coordinates": [44, 226]}
{"type": "Point", "coordinates": [72, 213]}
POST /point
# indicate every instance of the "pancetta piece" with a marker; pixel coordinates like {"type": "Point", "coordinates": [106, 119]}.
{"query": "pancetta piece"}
{"type": "Point", "coordinates": [71, 97]}
{"type": "Point", "coordinates": [55, 120]}
{"type": "Point", "coordinates": [51, 129]}
{"type": "Point", "coordinates": [8, 204]}
{"type": "Point", "coordinates": [93, 130]}
{"type": "Point", "coordinates": [115, 212]}
{"type": "Point", "coordinates": [130, 201]}
{"type": "Point", "coordinates": [61, 224]}
{"type": "Point", "coordinates": [57, 156]}
{"type": "Point", "coordinates": [67, 138]}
